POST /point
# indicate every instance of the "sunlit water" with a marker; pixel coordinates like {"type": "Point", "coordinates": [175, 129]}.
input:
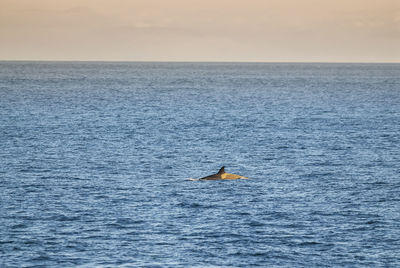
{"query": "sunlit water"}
{"type": "Point", "coordinates": [95, 160]}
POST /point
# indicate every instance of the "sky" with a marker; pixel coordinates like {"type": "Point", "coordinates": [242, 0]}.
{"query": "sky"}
{"type": "Point", "coordinates": [201, 30]}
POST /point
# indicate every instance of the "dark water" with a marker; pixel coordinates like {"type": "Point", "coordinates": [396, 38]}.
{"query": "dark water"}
{"type": "Point", "coordinates": [95, 157]}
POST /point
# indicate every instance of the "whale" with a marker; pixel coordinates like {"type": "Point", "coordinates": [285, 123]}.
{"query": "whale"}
{"type": "Point", "coordinates": [222, 175]}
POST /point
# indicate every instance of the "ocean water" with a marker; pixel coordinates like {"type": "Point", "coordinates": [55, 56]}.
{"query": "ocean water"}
{"type": "Point", "coordinates": [95, 160]}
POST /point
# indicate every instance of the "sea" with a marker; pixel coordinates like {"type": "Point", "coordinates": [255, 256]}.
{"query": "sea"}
{"type": "Point", "coordinates": [97, 161]}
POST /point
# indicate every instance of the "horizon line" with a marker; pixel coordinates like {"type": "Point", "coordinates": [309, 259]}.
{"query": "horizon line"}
{"type": "Point", "coordinates": [211, 61]}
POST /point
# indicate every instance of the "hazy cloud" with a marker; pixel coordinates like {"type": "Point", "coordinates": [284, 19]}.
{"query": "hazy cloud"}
{"type": "Point", "coordinates": [251, 30]}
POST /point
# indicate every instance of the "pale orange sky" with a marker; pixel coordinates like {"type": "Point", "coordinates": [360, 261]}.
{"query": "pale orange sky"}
{"type": "Point", "coordinates": [201, 30]}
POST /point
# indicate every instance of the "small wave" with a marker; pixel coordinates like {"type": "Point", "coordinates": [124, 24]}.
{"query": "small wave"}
{"type": "Point", "coordinates": [64, 218]}
{"type": "Point", "coordinates": [310, 243]}
{"type": "Point", "coordinates": [41, 257]}
{"type": "Point", "coordinates": [6, 242]}
{"type": "Point", "coordinates": [19, 226]}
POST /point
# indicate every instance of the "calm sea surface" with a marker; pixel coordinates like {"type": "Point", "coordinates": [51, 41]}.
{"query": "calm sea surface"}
{"type": "Point", "coordinates": [95, 160]}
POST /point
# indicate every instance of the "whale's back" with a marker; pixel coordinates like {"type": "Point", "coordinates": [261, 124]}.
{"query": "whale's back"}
{"type": "Point", "coordinates": [229, 176]}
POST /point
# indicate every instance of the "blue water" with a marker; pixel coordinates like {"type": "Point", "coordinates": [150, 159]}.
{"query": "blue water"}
{"type": "Point", "coordinates": [95, 160]}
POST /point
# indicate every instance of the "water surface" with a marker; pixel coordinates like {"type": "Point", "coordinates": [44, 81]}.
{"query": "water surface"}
{"type": "Point", "coordinates": [95, 157]}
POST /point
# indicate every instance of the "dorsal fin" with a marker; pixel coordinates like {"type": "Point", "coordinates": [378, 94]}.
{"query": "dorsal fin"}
{"type": "Point", "coordinates": [222, 170]}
